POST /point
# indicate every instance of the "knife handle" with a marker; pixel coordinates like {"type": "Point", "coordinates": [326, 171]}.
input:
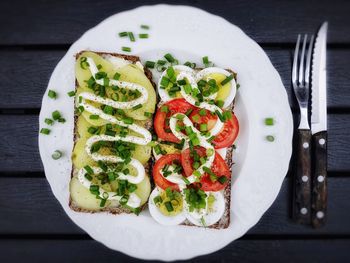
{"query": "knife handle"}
{"type": "Point", "coordinates": [319, 183]}
{"type": "Point", "coordinates": [302, 180]}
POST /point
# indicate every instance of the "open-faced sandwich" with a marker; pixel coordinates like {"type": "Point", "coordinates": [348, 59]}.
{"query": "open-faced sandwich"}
{"type": "Point", "coordinates": [115, 100]}
{"type": "Point", "coordinates": [196, 129]}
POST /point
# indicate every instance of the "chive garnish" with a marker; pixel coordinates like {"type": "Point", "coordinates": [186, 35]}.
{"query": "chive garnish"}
{"type": "Point", "coordinates": [169, 206]}
{"type": "Point", "coordinates": [126, 49]}
{"type": "Point", "coordinates": [88, 169]}
{"type": "Point", "coordinates": [161, 62]}
{"type": "Point", "coordinates": [205, 60]}
{"type": "Point", "coordinates": [138, 106]}
{"type": "Point", "coordinates": [147, 114]}
{"type": "Point", "coordinates": [94, 117]}
{"type": "Point", "coordinates": [270, 138]}
{"type": "Point", "coordinates": [169, 57]}
{"type": "Point", "coordinates": [103, 202]}
{"type": "Point", "coordinates": [269, 121]}
{"type": "Point", "coordinates": [71, 93]}
{"type": "Point", "coordinates": [48, 121]}
{"type": "Point", "coordinates": [88, 177]}
{"type": "Point", "coordinates": [123, 34]}
{"type": "Point", "coordinates": [145, 27]}
{"type": "Point", "coordinates": [202, 112]}
{"type": "Point", "coordinates": [56, 115]}
{"type": "Point", "coordinates": [227, 80]}
{"type": "Point", "coordinates": [116, 76]}
{"type": "Point", "coordinates": [56, 155]}
{"type": "Point", "coordinates": [131, 36]}
{"type": "Point", "coordinates": [203, 127]}
{"type": "Point", "coordinates": [150, 64]}
{"type": "Point", "coordinates": [143, 35]}
{"type": "Point", "coordinates": [52, 94]}
{"type": "Point", "coordinates": [222, 179]}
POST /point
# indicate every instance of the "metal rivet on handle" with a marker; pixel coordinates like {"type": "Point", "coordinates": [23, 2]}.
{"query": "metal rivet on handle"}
{"type": "Point", "coordinates": [320, 214]}
{"type": "Point", "coordinates": [304, 178]}
{"type": "Point", "coordinates": [320, 178]}
{"type": "Point", "coordinates": [303, 210]}
{"type": "Point", "coordinates": [305, 145]}
{"type": "Point", "coordinates": [321, 141]}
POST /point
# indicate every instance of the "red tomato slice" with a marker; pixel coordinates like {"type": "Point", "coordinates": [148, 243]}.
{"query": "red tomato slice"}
{"type": "Point", "coordinates": [160, 126]}
{"type": "Point", "coordinates": [158, 166]}
{"type": "Point", "coordinates": [219, 168]}
{"type": "Point", "coordinates": [228, 134]}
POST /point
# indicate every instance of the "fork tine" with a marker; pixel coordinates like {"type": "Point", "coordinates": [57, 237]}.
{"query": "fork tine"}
{"type": "Point", "coordinates": [301, 67]}
{"type": "Point", "coordinates": [295, 62]}
{"type": "Point", "coordinates": [308, 61]}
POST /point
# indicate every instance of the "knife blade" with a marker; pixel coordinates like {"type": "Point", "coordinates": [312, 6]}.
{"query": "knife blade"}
{"type": "Point", "coordinates": [319, 127]}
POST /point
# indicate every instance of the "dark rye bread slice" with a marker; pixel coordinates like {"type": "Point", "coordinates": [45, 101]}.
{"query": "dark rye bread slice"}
{"type": "Point", "coordinates": [224, 222]}
{"type": "Point", "coordinates": [148, 125]}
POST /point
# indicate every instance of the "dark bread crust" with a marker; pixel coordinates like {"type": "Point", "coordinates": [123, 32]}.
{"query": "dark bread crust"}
{"type": "Point", "coordinates": [224, 222]}
{"type": "Point", "coordinates": [148, 125]}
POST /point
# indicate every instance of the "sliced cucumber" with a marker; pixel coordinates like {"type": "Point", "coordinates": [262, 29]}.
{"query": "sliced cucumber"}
{"type": "Point", "coordinates": [144, 189]}
{"type": "Point", "coordinates": [82, 197]}
{"type": "Point", "coordinates": [131, 73]}
{"type": "Point", "coordinates": [83, 127]}
{"type": "Point", "coordinates": [142, 153]}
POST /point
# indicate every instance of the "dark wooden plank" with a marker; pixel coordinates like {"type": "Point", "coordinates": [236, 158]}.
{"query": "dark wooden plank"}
{"type": "Point", "coordinates": [61, 22]}
{"type": "Point", "coordinates": [25, 90]}
{"type": "Point", "coordinates": [240, 251]}
{"type": "Point", "coordinates": [19, 151]}
{"type": "Point", "coordinates": [26, 201]}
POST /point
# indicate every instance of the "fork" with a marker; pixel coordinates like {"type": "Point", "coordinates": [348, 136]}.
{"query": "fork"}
{"type": "Point", "coordinates": [301, 86]}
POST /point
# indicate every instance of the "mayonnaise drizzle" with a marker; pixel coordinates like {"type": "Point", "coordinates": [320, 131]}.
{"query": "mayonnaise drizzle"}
{"type": "Point", "coordinates": [133, 201]}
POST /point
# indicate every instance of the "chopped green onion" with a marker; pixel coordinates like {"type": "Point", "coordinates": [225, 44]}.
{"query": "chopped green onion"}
{"type": "Point", "coordinates": [131, 36]}
{"type": "Point", "coordinates": [269, 121]}
{"type": "Point", "coordinates": [116, 76]}
{"type": "Point", "coordinates": [52, 94]}
{"type": "Point", "coordinates": [150, 64]}
{"type": "Point", "coordinates": [102, 165]}
{"type": "Point", "coordinates": [270, 138]}
{"type": "Point", "coordinates": [181, 82]}
{"type": "Point", "coordinates": [56, 155]}
{"type": "Point", "coordinates": [190, 64]}
{"type": "Point", "coordinates": [88, 169]}
{"type": "Point", "coordinates": [48, 121]}
{"type": "Point", "coordinates": [71, 93]}
{"type": "Point", "coordinates": [128, 120]}
{"type": "Point", "coordinates": [87, 176]}
{"type": "Point", "coordinates": [221, 117]}
{"type": "Point", "coordinates": [196, 117]}
{"type": "Point", "coordinates": [220, 103]}
{"type": "Point", "coordinates": [169, 206]}
{"type": "Point", "coordinates": [94, 117]}
{"type": "Point", "coordinates": [169, 57]}
{"type": "Point", "coordinates": [188, 88]}
{"type": "Point", "coordinates": [143, 35]}
{"type": "Point", "coordinates": [108, 110]}
{"type": "Point", "coordinates": [62, 120]}
{"type": "Point", "coordinates": [188, 112]}
{"type": "Point", "coordinates": [161, 62]}
{"type": "Point", "coordinates": [147, 114]}
{"type": "Point", "coordinates": [110, 133]}
{"type": "Point", "coordinates": [138, 106]}
{"type": "Point", "coordinates": [227, 115]}
{"type": "Point", "coordinates": [186, 180]}
{"type": "Point", "coordinates": [126, 49]}
{"type": "Point", "coordinates": [103, 202]}
{"type": "Point", "coordinates": [157, 149]}
{"type": "Point", "coordinates": [145, 27]}
{"type": "Point", "coordinates": [203, 127]}
{"type": "Point", "coordinates": [212, 176]}
{"type": "Point", "coordinates": [123, 34]}
{"type": "Point", "coordinates": [222, 179]}
{"type": "Point", "coordinates": [202, 112]}
{"type": "Point", "coordinates": [227, 80]}
{"type": "Point", "coordinates": [164, 108]}
{"type": "Point", "coordinates": [209, 152]}
{"type": "Point", "coordinates": [99, 66]}
{"type": "Point", "coordinates": [205, 60]}
{"type": "Point", "coordinates": [164, 81]}
{"type": "Point", "coordinates": [170, 72]}
{"type": "Point", "coordinates": [157, 200]}
{"type": "Point", "coordinates": [56, 115]}
{"type": "Point", "coordinates": [81, 109]}
{"type": "Point", "coordinates": [92, 130]}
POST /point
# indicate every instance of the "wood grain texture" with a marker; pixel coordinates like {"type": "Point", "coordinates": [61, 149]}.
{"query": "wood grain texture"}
{"type": "Point", "coordinates": [28, 207]}
{"type": "Point", "coordinates": [319, 182]}
{"type": "Point", "coordinates": [19, 151]}
{"type": "Point", "coordinates": [302, 179]}
{"type": "Point", "coordinates": [62, 22]}
{"type": "Point", "coordinates": [335, 250]}
{"type": "Point", "coordinates": [25, 90]}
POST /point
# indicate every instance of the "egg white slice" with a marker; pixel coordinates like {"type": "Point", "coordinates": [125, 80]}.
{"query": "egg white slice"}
{"type": "Point", "coordinates": [159, 217]}
{"type": "Point", "coordinates": [208, 217]}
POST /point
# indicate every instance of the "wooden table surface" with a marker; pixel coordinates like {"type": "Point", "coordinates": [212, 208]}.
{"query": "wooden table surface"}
{"type": "Point", "coordinates": [34, 35]}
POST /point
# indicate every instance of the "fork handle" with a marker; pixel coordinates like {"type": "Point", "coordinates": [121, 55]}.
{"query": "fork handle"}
{"type": "Point", "coordinates": [302, 180]}
{"type": "Point", "coordinates": [319, 182]}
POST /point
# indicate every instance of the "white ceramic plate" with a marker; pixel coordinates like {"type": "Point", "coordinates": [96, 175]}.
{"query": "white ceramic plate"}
{"type": "Point", "coordinates": [189, 34]}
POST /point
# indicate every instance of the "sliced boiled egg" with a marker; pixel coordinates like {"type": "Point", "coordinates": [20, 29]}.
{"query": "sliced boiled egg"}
{"type": "Point", "coordinates": [159, 211]}
{"type": "Point", "coordinates": [214, 211]}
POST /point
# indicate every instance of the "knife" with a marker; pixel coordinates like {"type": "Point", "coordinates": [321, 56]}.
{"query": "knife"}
{"type": "Point", "coordinates": [319, 128]}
